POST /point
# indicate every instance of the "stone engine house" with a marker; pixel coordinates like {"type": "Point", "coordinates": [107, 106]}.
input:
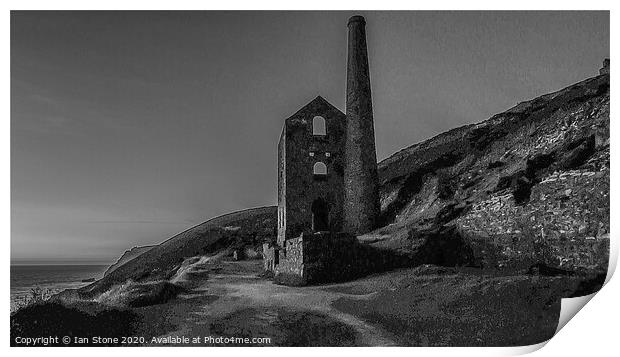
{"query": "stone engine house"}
{"type": "Point", "coordinates": [310, 171]}
{"type": "Point", "coordinates": [327, 178]}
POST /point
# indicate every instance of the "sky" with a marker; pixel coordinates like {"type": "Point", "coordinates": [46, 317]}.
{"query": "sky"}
{"type": "Point", "coordinates": [129, 127]}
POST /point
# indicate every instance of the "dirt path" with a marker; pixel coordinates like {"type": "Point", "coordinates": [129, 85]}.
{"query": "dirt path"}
{"type": "Point", "coordinates": [420, 306]}
{"type": "Point", "coordinates": [265, 293]}
{"type": "Point", "coordinates": [238, 292]}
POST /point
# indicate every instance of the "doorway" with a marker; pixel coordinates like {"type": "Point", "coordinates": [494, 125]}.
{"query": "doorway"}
{"type": "Point", "coordinates": [320, 215]}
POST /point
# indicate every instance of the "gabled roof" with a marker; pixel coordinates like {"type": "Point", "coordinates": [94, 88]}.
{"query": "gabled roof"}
{"type": "Point", "coordinates": [318, 104]}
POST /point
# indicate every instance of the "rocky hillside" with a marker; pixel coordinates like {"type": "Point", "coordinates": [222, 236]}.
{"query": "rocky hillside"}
{"type": "Point", "coordinates": [529, 185]}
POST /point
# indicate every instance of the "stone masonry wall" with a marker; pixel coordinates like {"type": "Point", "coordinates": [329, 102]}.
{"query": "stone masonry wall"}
{"type": "Point", "coordinates": [282, 187]}
{"type": "Point", "coordinates": [269, 257]}
{"type": "Point", "coordinates": [292, 258]}
{"type": "Point", "coordinates": [565, 223]}
{"type": "Point", "coordinates": [361, 183]}
{"type": "Point", "coordinates": [303, 151]}
{"type": "Point", "coordinates": [328, 257]}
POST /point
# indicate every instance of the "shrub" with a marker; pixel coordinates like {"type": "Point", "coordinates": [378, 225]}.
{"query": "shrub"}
{"type": "Point", "coordinates": [445, 185]}
{"type": "Point", "coordinates": [37, 295]}
{"type": "Point", "coordinates": [55, 319]}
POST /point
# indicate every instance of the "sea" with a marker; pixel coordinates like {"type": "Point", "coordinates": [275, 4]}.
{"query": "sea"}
{"type": "Point", "coordinates": [54, 278]}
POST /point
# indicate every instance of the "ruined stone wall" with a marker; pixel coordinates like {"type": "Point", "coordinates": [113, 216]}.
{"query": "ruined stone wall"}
{"type": "Point", "coordinates": [303, 258]}
{"type": "Point", "coordinates": [331, 257]}
{"type": "Point", "coordinates": [337, 257]}
{"type": "Point", "coordinates": [282, 187]}
{"type": "Point", "coordinates": [292, 257]}
{"type": "Point", "coordinates": [565, 223]}
{"type": "Point", "coordinates": [303, 150]}
{"type": "Point", "coordinates": [269, 257]}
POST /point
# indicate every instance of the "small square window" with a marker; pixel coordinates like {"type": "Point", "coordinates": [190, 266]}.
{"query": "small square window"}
{"type": "Point", "coordinates": [311, 154]}
{"type": "Point", "coordinates": [327, 154]}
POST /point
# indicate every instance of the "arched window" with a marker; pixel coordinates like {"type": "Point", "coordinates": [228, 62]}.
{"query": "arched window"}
{"type": "Point", "coordinates": [320, 169]}
{"type": "Point", "coordinates": [318, 126]}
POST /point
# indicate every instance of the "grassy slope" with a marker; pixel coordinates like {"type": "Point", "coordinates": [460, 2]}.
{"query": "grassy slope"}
{"type": "Point", "coordinates": [435, 306]}
{"type": "Point", "coordinates": [129, 254]}
{"type": "Point", "coordinates": [244, 228]}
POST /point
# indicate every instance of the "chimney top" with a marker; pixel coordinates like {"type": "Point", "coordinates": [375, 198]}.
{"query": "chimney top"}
{"type": "Point", "coordinates": [356, 18]}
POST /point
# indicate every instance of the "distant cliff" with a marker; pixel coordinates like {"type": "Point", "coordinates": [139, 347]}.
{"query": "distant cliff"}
{"type": "Point", "coordinates": [127, 256]}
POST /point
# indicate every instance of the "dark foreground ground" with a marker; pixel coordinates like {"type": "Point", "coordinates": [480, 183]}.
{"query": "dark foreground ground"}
{"type": "Point", "coordinates": [422, 306]}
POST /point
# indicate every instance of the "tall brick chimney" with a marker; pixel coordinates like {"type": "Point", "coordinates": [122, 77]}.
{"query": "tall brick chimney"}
{"type": "Point", "coordinates": [361, 196]}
